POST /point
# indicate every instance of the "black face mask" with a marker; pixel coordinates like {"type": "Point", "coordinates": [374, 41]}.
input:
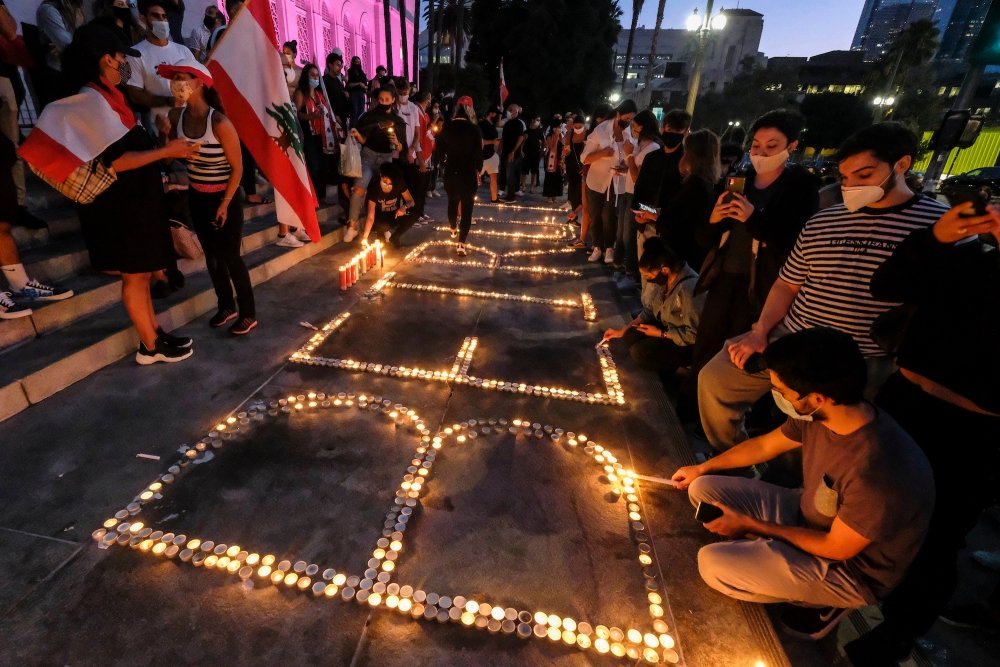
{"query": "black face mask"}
{"type": "Point", "coordinates": [672, 139]}
{"type": "Point", "coordinates": [624, 123]}
{"type": "Point", "coordinates": [383, 108]}
{"type": "Point", "coordinates": [123, 14]}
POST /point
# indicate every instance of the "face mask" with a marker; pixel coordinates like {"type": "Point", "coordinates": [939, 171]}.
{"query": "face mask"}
{"type": "Point", "coordinates": [160, 29]}
{"type": "Point", "coordinates": [577, 130]}
{"type": "Point", "coordinates": [124, 70]}
{"type": "Point", "coordinates": [383, 108]}
{"type": "Point", "coordinates": [181, 90]}
{"type": "Point", "coordinates": [314, 83]}
{"type": "Point", "coordinates": [403, 99]}
{"type": "Point", "coordinates": [209, 22]}
{"type": "Point", "coordinates": [123, 14]}
{"type": "Point", "coordinates": [672, 139]}
{"type": "Point", "coordinates": [786, 406]}
{"type": "Point", "coordinates": [859, 196]}
{"type": "Point", "coordinates": [624, 123]}
{"type": "Point", "coordinates": [659, 279]}
{"type": "Point", "coordinates": [764, 164]}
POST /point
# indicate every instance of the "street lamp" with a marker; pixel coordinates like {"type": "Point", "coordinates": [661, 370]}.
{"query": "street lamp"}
{"type": "Point", "coordinates": [730, 126]}
{"type": "Point", "coordinates": [703, 27]}
{"type": "Point", "coordinates": [615, 98]}
{"type": "Point", "coordinates": [880, 103]}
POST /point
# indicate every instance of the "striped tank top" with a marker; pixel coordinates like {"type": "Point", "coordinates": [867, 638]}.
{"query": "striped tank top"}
{"type": "Point", "coordinates": [208, 171]}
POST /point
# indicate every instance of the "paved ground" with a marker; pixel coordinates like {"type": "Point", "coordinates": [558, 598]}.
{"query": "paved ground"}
{"type": "Point", "coordinates": [516, 521]}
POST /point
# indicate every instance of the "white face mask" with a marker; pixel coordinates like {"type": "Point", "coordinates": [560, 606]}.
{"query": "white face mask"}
{"type": "Point", "coordinates": [786, 406]}
{"type": "Point", "coordinates": [764, 164]}
{"type": "Point", "coordinates": [160, 29]}
{"type": "Point", "coordinates": [859, 196]}
{"type": "Point", "coordinates": [181, 90]}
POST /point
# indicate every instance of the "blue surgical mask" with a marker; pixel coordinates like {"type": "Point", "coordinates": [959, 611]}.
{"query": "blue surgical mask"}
{"type": "Point", "coordinates": [314, 83]}
{"type": "Point", "coordinates": [160, 29]}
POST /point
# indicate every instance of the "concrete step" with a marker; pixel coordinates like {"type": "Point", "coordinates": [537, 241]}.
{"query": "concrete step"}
{"type": "Point", "coordinates": [49, 364]}
{"type": "Point", "coordinates": [93, 292]}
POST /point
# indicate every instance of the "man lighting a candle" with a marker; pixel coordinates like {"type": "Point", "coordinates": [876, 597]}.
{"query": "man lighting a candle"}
{"type": "Point", "coordinates": [845, 539]}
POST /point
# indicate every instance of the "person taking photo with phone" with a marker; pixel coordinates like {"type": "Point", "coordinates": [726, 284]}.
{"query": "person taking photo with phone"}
{"type": "Point", "coordinates": [214, 198]}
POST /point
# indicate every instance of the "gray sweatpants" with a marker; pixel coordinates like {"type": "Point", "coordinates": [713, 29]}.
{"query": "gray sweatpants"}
{"type": "Point", "coordinates": [769, 570]}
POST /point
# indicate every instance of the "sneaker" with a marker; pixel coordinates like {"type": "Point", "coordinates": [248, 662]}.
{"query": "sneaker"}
{"type": "Point", "coordinates": [288, 241]}
{"type": "Point", "coordinates": [36, 291]}
{"type": "Point", "coordinates": [975, 616]}
{"type": "Point", "coordinates": [878, 648]}
{"type": "Point", "coordinates": [495, 201]}
{"type": "Point", "coordinates": [520, 193]}
{"type": "Point", "coordinates": [988, 559]}
{"type": "Point", "coordinates": [351, 233]}
{"type": "Point", "coordinates": [808, 622]}
{"type": "Point", "coordinates": [609, 256]}
{"type": "Point", "coordinates": [301, 235]}
{"type": "Point", "coordinates": [10, 310]}
{"type": "Point", "coordinates": [243, 326]}
{"type": "Point", "coordinates": [577, 243]}
{"type": "Point", "coordinates": [595, 256]}
{"type": "Point", "coordinates": [180, 342]}
{"type": "Point", "coordinates": [461, 249]}
{"type": "Point", "coordinates": [221, 317]}
{"type": "Point", "coordinates": [161, 352]}
{"type": "Point", "coordinates": [500, 195]}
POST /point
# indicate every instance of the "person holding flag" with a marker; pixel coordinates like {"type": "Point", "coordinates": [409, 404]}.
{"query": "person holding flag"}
{"type": "Point", "coordinates": [126, 229]}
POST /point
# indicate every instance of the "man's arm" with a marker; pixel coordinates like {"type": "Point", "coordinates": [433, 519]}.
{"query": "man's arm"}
{"type": "Point", "coordinates": [747, 453]}
{"type": "Point", "coordinates": [841, 543]}
{"type": "Point", "coordinates": [779, 301]}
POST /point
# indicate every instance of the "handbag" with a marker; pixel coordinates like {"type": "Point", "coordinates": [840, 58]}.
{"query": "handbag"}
{"type": "Point", "coordinates": [350, 158]}
{"type": "Point", "coordinates": [86, 182]}
{"type": "Point", "coordinates": [186, 242]}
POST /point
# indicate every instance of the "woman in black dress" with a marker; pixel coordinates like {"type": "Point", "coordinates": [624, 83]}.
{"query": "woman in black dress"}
{"type": "Point", "coordinates": [553, 186]}
{"type": "Point", "coordinates": [126, 227]}
{"type": "Point", "coordinates": [532, 151]}
{"type": "Point", "coordinates": [357, 88]}
{"type": "Point", "coordinates": [461, 145]}
{"type": "Point", "coordinates": [572, 149]}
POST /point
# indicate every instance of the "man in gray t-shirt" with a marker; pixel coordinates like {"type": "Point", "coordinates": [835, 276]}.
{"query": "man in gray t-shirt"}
{"type": "Point", "coordinates": [843, 540]}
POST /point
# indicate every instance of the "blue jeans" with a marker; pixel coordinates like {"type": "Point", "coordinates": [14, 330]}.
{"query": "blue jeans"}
{"type": "Point", "coordinates": [370, 162]}
{"type": "Point", "coordinates": [513, 177]}
{"type": "Point", "coordinates": [625, 239]}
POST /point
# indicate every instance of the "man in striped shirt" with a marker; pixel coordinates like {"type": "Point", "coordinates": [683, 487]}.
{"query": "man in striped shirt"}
{"type": "Point", "coordinates": [825, 281]}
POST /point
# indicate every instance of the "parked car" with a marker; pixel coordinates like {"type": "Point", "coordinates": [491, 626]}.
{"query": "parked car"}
{"type": "Point", "coordinates": [984, 177]}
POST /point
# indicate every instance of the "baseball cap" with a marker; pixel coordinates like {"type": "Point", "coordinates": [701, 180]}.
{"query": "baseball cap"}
{"type": "Point", "coordinates": [186, 66]}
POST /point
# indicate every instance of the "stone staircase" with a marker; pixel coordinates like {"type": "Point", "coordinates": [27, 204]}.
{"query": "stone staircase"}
{"type": "Point", "coordinates": [63, 342]}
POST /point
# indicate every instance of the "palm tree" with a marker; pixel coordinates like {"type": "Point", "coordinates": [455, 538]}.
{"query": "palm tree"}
{"type": "Point", "coordinates": [911, 47]}
{"type": "Point", "coordinates": [652, 44]}
{"type": "Point", "coordinates": [416, 40]}
{"type": "Point", "coordinates": [636, 8]}
{"type": "Point", "coordinates": [401, 5]}
{"type": "Point", "coordinates": [387, 20]}
{"type": "Point", "coordinates": [433, 50]}
{"type": "Point", "coordinates": [454, 21]}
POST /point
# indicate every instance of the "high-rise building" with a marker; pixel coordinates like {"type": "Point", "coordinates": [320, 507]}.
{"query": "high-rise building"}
{"type": "Point", "coordinates": [959, 27]}
{"type": "Point", "coordinates": [884, 20]}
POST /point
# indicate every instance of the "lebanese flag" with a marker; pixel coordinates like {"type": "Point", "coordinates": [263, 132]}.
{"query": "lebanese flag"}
{"type": "Point", "coordinates": [75, 130]}
{"type": "Point", "coordinates": [503, 86]}
{"type": "Point", "coordinates": [246, 67]}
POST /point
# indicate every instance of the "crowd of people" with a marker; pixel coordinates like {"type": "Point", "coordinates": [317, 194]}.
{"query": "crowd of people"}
{"type": "Point", "coordinates": [832, 354]}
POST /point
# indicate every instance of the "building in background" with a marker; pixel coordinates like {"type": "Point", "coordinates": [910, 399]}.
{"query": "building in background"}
{"type": "Point", "coordinates": [356, 27]}
{"type": "Point", "coordinates": [725, 51]}
{"type": "Point", "coordinates": [959, 22]}
{"type": "Point", "coordinates": [885, 20]}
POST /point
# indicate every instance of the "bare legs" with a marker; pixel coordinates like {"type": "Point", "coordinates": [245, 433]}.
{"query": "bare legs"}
{"type": "Point", "coordinates": [139, 305]}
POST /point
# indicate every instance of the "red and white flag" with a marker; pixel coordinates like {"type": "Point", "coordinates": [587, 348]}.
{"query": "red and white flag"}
{"type": "Point", "coordinates": [246, 66]}
{"type": "Point", "coordinates": [503, 86]}
{"type": "Point", "coordinates": [75, 130]}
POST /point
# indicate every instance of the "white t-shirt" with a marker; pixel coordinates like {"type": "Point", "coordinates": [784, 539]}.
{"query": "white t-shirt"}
{"type": "Point", "coordinates": [599, 176]}
{"type": "Point", "coordinates": [144, 68]}
{"type": "Point", "coordinates": [410, 113]}
{"type": "Point", "coordinates": [640, 155]}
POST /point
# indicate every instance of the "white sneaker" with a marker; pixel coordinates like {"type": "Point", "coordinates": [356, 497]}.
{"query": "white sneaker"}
{"type": "Point", "coordinates": [595, 256]}
{"type": "Point", "coordinates": [288, 241]}
{"type": "Point", "coordinates": [609, 256]}
{"type": "Point", "coordinates": [461, 249]}
{"type": "Point", "coordinates": [350, 234]}
{"type": "Point", "coordinates": [10, 310]}
{"type": "Point", "coordinates": [502, 194]}
{"type": "Point", "coordinates": [520, 193]}
{"type": "Point", "coordinates": [301, 235]}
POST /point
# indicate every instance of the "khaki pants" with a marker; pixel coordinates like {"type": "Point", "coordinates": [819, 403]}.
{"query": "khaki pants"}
{"type": "Point", "coordinates": [10, 129]}
{"type": "Point", "coordinates": [725, 393]}
{"type": "Point", "coordinates": [764, 569]}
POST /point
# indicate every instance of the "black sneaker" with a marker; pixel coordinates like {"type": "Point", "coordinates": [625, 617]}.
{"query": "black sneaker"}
{"type": "Point", "coordinates": [243, 326]}
{"type": "Point", "coordinates": [808, 622]}
{"type": "Point", "coordinates": [878, 648]}
{"type": "Point", "coordinates": [221, 317]}
{"type": "Point", "coordinates": [180, 342]}
{"type": "Point", "coordinates": [162, 352]}
{"type": "Point", "coordinates": [975, 616]}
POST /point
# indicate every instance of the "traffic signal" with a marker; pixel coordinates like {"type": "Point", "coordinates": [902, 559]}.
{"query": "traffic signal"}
{"type": "Point", "coordinates": [986, 48]}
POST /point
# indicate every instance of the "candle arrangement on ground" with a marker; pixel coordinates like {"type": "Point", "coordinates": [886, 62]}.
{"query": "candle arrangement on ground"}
{"type": "Point", "coordinates": [371, 256]}
{"type": "Point", "coordinates": [521, 236]}
{"type": "Point", "coordinates": [495, 263]}
{"type": "Point", "coordinates": [376, 587]}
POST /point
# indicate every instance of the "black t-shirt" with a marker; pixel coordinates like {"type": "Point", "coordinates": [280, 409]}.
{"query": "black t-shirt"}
{"type": "Point", "coordinates": [512, 131]}
{"type": "Point", "coordinates": [386, 203]}
{"type": "Point", "coordinates": [489, 132]}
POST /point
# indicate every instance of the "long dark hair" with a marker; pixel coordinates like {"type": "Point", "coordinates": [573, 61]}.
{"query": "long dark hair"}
{"type": "Point", "coordinates": [650, 126]}
{"type": "Point", "coordinates": [303, 85]}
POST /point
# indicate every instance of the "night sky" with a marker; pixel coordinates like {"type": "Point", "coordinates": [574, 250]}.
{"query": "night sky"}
{"type": "Point", "coordinates": [791, 27]}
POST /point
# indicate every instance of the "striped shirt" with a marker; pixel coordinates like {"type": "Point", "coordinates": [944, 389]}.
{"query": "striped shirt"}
{"type": "Point", "coordinates": [209, 170]}
{"type": "Point", "coordinates": [833, 261]}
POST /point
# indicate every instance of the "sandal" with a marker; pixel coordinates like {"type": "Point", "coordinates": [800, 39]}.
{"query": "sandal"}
{"type": "Point", "coordinates": [263, 200]}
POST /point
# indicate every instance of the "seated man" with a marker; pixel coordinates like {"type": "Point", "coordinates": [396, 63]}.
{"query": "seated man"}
{"type": "Point", "coordinates": [844, 540]}
{"type": "Point", "coordinates": [388, 202]}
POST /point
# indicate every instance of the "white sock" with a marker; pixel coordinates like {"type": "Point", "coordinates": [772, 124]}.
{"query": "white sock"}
{"type": "Point", "coordinates": [17, 278]}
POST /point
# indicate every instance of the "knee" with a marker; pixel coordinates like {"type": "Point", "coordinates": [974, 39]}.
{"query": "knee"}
{"type": "Point", "coordinates": [716, 566]}
{"type": "Point", "coordinates": [700, 490]}
{"type": "Point", "coordinates": [710, 375]}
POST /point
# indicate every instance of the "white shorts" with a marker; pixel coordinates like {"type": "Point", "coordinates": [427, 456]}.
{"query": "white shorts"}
{"type": "Point", "coordinates": [491, 165]}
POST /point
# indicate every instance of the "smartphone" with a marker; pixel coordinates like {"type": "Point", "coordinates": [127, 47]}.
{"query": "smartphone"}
{"type": "Point", "coordinates": [707, 512]}
{"type": "Point", "coordinates": [736, 184]}
{"type": "Point", "coordinates": [980, 198]}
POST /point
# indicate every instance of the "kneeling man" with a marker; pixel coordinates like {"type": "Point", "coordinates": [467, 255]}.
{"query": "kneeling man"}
{"type": "Point", "coordinates": [845, 539]}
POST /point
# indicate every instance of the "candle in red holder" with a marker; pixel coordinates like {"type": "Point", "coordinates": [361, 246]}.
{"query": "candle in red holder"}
{"type": "Point", "coordinates": [343, 277]}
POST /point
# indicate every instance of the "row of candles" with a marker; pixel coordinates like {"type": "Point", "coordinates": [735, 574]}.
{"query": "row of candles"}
{"type": "Point", "coordinates": [376, 588]}
{"type": "Point", "coordinates": [416, 256]}
{"type": "Point", "coordinates": [523, 236]}
{"type": "Point", "coordinates": [521, 207]}
{"type": "Point", "coordinates": [548, 221]}
{"type": "Point", "coordinates": [481, 294]}
{"type": "Point", "coordinates": [371, 256]}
